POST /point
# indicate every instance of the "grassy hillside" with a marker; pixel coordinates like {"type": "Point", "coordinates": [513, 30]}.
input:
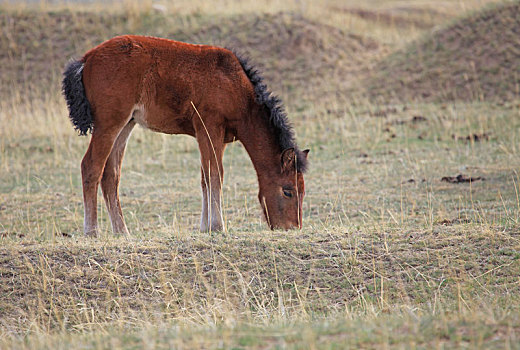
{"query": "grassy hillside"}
{"type": "Point", "coordinates": [477, 58]}
{"type": "Point", "coordinates": [312, 45]}
{"type": "Point", "coordinates": [411, 219]}
{"type": "Point", "coordinates": [37, 45]}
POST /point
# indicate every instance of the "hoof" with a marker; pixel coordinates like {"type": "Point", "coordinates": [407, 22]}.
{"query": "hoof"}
{"type": "Point", "coordinates": [93, 232]}
{"type": "Point", "coordinates": [122, 232]}
{"type": "Point", "coordinates": [213, 228]}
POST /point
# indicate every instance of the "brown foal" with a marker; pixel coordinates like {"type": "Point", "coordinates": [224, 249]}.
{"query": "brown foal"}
{"type": "Point", "coordinates": [207, 92]}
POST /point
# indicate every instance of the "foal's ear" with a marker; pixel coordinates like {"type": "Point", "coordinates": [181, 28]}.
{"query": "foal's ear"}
{"type": "Point", "coordinates": [306, 152]}
{"type": "Point", "coordinates": [288, 160]}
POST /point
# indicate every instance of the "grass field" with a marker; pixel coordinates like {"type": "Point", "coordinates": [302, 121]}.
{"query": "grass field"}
{"type": "Point", "coordinates": [397, 249]}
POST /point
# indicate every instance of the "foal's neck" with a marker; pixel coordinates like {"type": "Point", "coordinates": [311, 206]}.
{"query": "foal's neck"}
{"type": "Point", "coordinates": [261, 145]}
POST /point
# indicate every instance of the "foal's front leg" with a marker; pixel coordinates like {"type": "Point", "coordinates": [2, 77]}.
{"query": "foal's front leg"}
{"type": "Point", "coordinates": [211, 218]}
{"type": "Point", "coordinates": [211, 148]}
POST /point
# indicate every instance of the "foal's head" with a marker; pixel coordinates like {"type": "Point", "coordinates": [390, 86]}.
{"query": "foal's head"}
{"type": "Point", "coordinates": [281, 196]}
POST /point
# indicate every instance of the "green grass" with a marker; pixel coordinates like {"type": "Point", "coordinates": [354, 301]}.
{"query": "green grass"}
{"type": "Point", "coordinates": [400, 329]}
{"type": "Point", "coordinates": [390, 255]}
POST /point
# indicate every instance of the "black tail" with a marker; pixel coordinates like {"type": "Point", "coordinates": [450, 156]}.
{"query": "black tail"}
{"type": "Point", "coordinates": [80, 112]}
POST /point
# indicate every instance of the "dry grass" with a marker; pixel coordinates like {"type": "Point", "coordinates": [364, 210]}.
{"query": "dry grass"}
{"type": "Point", "coordinates": [390, 256]}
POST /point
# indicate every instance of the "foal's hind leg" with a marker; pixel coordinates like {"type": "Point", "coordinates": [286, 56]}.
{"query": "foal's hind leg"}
{"type": "Point", "coordinates": [111, 178]}
{"type": "Point", "coordinates": [92, 167]}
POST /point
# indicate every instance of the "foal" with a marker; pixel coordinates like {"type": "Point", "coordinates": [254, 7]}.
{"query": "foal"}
{"type": "Point", "coordinates": [177, 88]}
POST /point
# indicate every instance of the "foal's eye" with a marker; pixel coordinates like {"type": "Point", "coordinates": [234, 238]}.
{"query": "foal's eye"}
{"type": "Point", "coordinates": [287, 193]}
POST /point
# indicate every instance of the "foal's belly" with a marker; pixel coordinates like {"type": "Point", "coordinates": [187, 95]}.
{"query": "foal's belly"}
{"type": "Point", "coordinates": [162, 122]}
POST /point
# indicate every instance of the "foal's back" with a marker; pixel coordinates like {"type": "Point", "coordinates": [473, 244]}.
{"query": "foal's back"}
{"type": "Point", "coordinates": [156, 80]}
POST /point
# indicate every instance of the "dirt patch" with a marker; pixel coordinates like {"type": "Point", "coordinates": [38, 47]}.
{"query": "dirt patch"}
{"type": "Point", "coordinates": [473, 137]}
{"type": "Point", "coordinates": [412, 181]}
{"type": "Point", "coordinates": [449, 222]}
{"type": "Point", "coordinates": [418, 119]}
{"type": "Point", "coordinates": [461, 179]}
{"type": "Point", "coordinates": [383, 113]}
{"type": "Point", "coordinates": [5, 234]}
{"type": "Point", "coordinates": [477, 58]}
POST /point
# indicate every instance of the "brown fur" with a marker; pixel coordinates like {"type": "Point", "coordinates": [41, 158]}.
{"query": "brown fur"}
{"type": "Point", "coordinates": [179, 88]}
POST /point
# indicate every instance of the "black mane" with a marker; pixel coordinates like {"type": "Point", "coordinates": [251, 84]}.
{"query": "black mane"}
{"type": "Point", "coordinates": [277, 117]}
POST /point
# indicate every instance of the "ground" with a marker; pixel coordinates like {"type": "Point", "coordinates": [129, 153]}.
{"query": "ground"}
{"type": "Point", "coordinates": [411, 219]}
